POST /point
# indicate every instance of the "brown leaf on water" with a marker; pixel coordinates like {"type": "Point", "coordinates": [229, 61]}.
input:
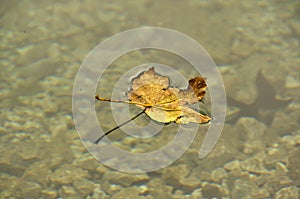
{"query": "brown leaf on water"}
{"type": "Point", "coordinates": [162, 103]}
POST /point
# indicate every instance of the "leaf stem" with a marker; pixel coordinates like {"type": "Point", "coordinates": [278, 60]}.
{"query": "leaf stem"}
{"type": "Point", "coordinates": [121, 101]}
{"type": "Point", "coordinates": [108, 132]}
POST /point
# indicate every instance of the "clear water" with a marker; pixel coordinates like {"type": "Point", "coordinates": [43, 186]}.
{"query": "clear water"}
{"type": "Point", "coordinates": [43, 45]}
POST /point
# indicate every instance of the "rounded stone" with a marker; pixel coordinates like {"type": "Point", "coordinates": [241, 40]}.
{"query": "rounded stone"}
{"type": "Point", "coordinates": [125, 179]}
{"type": "Point", "coordinates": [27, 190]}
{"type": "Point", "coordinates": [287, 192]}
{"type": "Point", "coordinates": [67, 173]}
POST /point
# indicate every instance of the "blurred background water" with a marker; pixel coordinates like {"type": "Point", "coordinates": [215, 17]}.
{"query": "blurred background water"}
{"type": "Point", "coordinates": [255, 45]}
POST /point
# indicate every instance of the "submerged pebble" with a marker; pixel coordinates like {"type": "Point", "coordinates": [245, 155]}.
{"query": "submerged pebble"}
{"type": "Point", "coordinates": [218, 175]}
{"type": "Point", "coordinates": [24, 189]}
{"type": "Point", "coordinates": [125, 179]}
{"type": "Point", "coordinates": [288, 193]}
{"type": "Point", "coordinates": [66, 174]}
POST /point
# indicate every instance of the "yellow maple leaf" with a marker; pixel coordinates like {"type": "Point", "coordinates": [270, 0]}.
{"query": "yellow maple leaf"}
{"type": "Point", "coordinates": [162, 103]}
{"type": "Point", "coordinates": [167, 104]}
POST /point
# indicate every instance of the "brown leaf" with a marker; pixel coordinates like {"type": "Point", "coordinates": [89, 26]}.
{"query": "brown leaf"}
{"type": "Point", "coordinates": [162, 103]}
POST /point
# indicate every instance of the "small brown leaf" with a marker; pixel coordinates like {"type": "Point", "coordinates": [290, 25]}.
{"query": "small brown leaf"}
{"type": "Point", "coordinates": [165, 104]}
{"type": "Point", "coordinates": [162, 103]}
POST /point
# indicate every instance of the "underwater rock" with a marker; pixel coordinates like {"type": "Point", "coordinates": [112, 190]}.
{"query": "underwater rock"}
{"type": "Point", "coordinates": [211, 190]}
{"type": "Point", "coordinates": [291, 140]}
{"type": "Point", "coordinates": [224, 188]}
{"type": "Point", "coordinates": [218, 151]}
{"type": "Point", "coordinates": [8, 165]}
{"type": "Point", "coordinates": [274, 155]}
{"type": "Point", "coordinates": [98, 193]}
{"type": "Point", "coordinates": [261, 193]}
{"type": "Point", "coordinates": [47, 193]}
{"type": "Point", "coordinates": [158, 189]}
{"type": "Point", "coordinates": [271, 183]}
{"type": "Point", "coordinates": [172, 175]}
{"type": "Point", "coordinates": [83, 186]}
{"type": "Point", "coordinates": [253, 132]}
{"type": "Point", "coordinates": [27, 56]}
{"type": "Point", "coordinates": [59, 85]}
{"type": "Point", "coordinates": [205, 176]}
{"type": "Point", "coordinates": [252, 146]}
{"type": "Point", "coordinates": [125, 179]}
{"type": "Point", "coordinates": [197, 193]}
{"type": "Point", "coordinates": [27, 190]}
{"type": "Point", "coordinates": [101, 170]}
{"type": "Point", "coordinates": [57, 146]}
{"type": "Point", "coordinates": [110, 189]}
{"type": "Point", "coordinates": [67, 173]}
{"type": "Point", "coordinates": [218, 175]}
{"type": "Point", "coordinates": [178, 194]}
{"type": "Point", "coordinates": [242, 45]}
{"type": "Point", "coordinates": [189, 184]}
{"type": "Point", "coordinates": [285, 123]}
{"type": "Point", "coordinates": [130, 192]}
{"type": "Point", "coordinates": [294, 165]}
{"type": "Point", "coordinates": [144, 189]}
{"type": "Point", "coordinates": [30, 151]}
{"type": "Point", "coordinates": [243, 188]}
{"type": "Point", "coordinates": [292, 82]}
{"type": "Point", "coordinates": [38, 172]}
{"type": "Point", "coordinates": [68, 192]}
{"type": "Point", "coordinates": [237, 175]}
{"type": "Point", "coordinates": [287, 193]}
{"type": "Point", "coordinates": [4, 96]}
{"type": "Point", "coordinates": [295, 26]}
{"type": "Point", "coordinates": [48, 104]}
{"type": "Point", "coordinates": [6, 182]}
{"type": "Point", "coordinates": [233, 165]}
{"type": "Point", "coordinates": [86, 162]}
{"type": "Point", "coordinates": [280, 169]}
{"type": "Point", "coordinates": [254, 165]}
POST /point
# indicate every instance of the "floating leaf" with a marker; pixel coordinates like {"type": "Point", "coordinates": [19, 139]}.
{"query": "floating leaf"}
{"type": "Point", "coordinates": [167, 104]}
{"type": "Point", "coordinates": [162, 103]}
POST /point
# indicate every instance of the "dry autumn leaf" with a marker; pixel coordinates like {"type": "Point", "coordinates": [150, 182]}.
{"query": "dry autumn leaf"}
{"type": "Point", "coordinates": [167, 104]}
{"type": "Point", "coordinates": [162, 103]}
